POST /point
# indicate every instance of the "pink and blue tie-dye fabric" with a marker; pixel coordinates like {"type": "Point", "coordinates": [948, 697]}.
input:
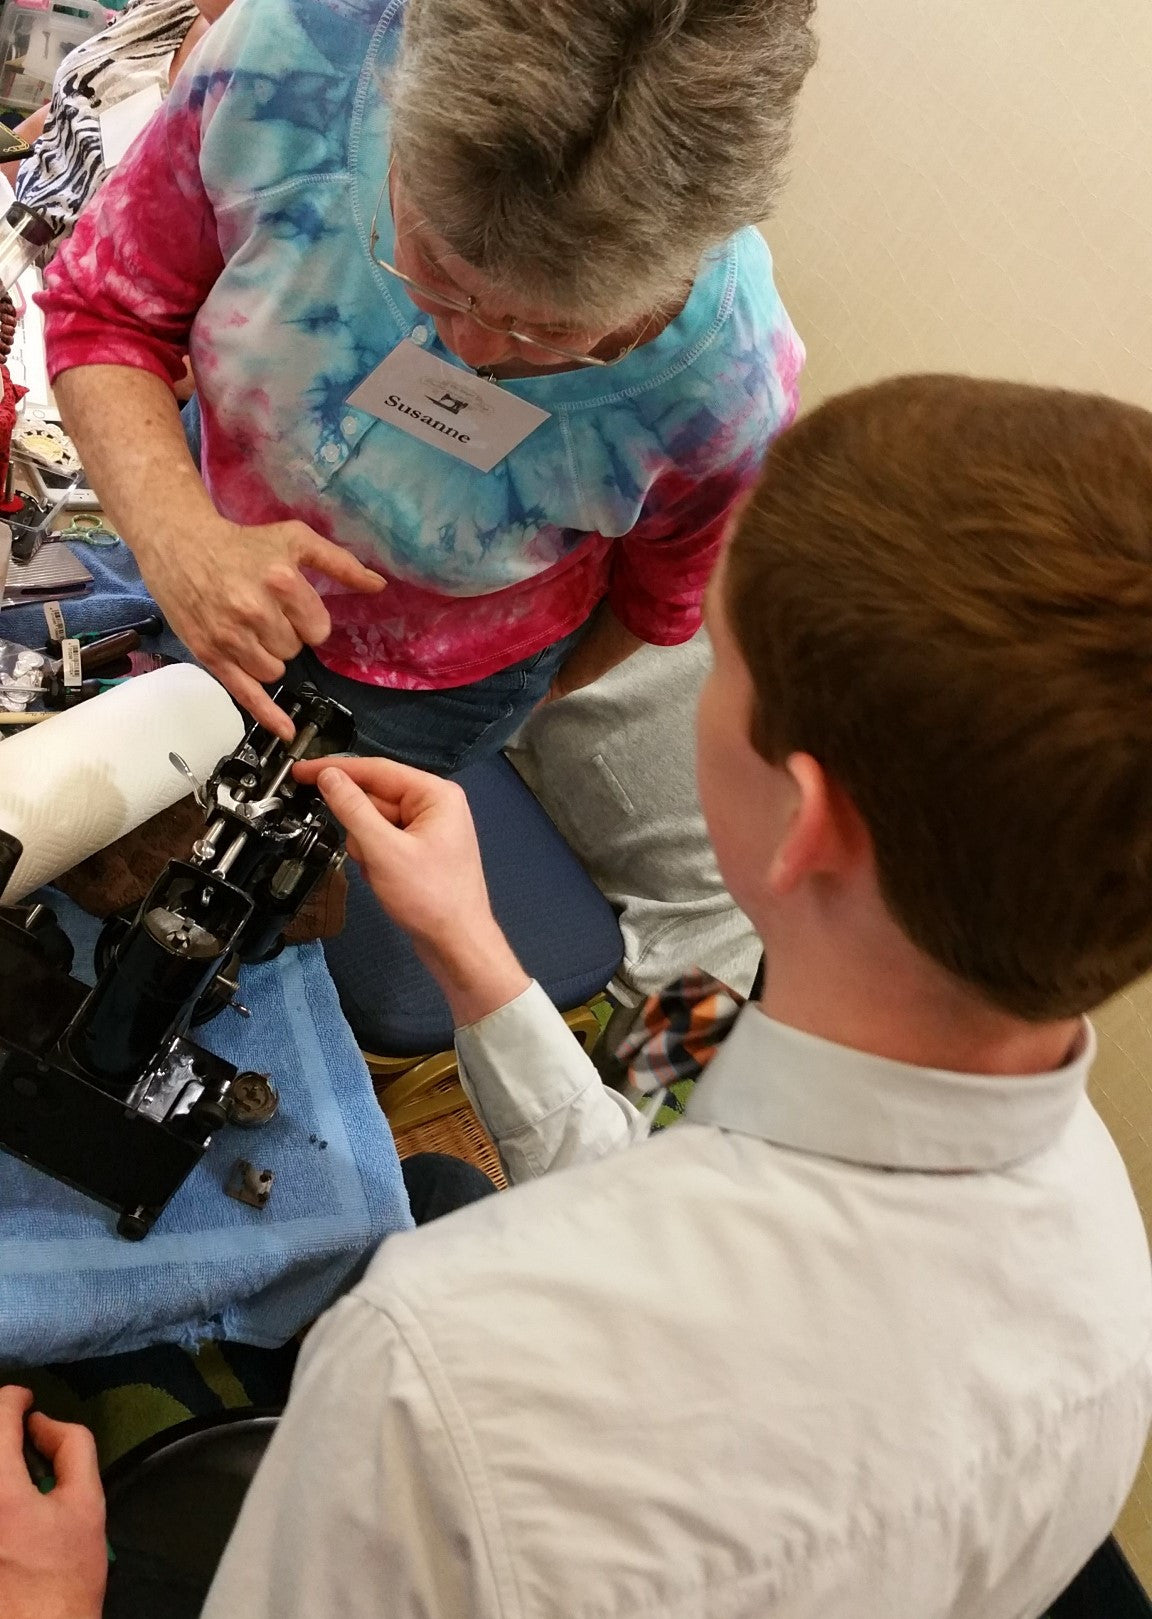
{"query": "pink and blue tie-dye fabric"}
{"type": "Point", "coordinates": [236, 229]}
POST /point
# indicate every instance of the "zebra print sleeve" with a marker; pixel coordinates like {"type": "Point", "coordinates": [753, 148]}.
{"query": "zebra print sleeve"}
{"type": "Point", "coordinates": [67, 167]}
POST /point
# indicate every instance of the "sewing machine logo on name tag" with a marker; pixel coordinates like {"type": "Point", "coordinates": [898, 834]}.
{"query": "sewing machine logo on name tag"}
{"type": "Point", "coordinates": [444, 406]}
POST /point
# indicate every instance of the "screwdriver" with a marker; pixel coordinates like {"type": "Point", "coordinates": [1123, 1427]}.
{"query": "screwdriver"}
{"type": "Point", "coordinates": [109, 649]}
{"type": "Point", "coordinates": [57, 695]}
{"type": "Point", "coordinates": [152, 625]}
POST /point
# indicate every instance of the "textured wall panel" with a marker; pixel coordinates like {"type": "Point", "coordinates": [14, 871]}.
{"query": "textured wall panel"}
{"type": "Point", "coordinates": [972, 190]}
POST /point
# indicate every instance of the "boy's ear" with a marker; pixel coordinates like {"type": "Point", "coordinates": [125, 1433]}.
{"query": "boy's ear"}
{"type": "Point", "coordinates": [824, 834]}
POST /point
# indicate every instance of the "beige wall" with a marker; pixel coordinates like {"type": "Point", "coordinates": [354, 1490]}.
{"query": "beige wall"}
{"type": "Point", "coordinates": [972, 190]}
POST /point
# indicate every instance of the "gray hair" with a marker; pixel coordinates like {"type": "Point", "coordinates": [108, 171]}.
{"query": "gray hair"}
{"type": "Point", "coordinates": [584, 154]}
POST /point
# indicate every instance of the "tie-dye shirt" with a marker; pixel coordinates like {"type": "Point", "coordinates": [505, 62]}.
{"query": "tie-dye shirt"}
{"type": "Point", "coordinates": [237, 229]}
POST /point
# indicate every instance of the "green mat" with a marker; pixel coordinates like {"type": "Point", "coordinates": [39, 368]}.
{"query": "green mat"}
{"type": "Point", "coordinates": [125, 1399]}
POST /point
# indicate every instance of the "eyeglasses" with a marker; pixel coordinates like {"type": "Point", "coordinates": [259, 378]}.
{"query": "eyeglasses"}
{"type": "Point", "coordinates": [468, 306]}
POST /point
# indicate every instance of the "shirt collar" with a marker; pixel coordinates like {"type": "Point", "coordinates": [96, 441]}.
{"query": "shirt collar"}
{"type": "Point", "coordinates": [799, 1091]}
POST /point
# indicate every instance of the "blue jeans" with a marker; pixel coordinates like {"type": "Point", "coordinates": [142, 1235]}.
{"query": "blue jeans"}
{"type": "Point", "coordinates": [445, 730]}
{"type": "Point", "coordinates": [438, 1184]}
{"type": "Point", "coordinates": [190, 421]}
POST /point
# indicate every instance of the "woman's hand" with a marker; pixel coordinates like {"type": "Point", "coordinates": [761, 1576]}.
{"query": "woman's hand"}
{"type": "Point", "coordinates": [237, 598]}
{"type": "Point", "coordinates": [234, 595]}
{"type": "Point", "coordinates": [53, 1558]}
{"type": "Point", "coordinates": [412, 836]}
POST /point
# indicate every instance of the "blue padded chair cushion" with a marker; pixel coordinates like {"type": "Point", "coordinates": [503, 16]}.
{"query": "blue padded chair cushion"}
{"type": "Point", "coordinates": [559, 924]}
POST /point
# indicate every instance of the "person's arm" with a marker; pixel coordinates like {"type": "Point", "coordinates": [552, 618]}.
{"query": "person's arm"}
{"type": "Point", "coordinates": [661, 567]}
{"type": "Point", "coordinates": [120, 298]}
{"type": "Point", "coordinates": [187, 45]}
{"type": "Point", "coordinates": [234, 594]}
{"type": "Point", "coordinates": [529, 1079]}
{"type": "Point", "coordinates": [540, 1096]}
{"type": "Point", "coordinates": [605, 644]}
{"type": "Point", "coordinates": [660, 571]}
{"type": "Point", "coordinates": [371, 1501]}
{"type": "Point", "coordinates": [53, 1558]}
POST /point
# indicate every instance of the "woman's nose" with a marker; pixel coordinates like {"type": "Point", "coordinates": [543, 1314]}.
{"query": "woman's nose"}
{"type": "Point", "coordinates": [475, 345]}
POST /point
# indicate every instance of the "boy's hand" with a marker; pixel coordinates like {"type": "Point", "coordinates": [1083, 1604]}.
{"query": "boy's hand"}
{"type": "Point", "coordinates": [412, 835]}
{"type": "Point", "coordinates": [53, 1559]}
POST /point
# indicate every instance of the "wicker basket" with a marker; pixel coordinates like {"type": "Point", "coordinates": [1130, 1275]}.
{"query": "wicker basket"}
{"type": "Point", "coordinates": [461, 1135]}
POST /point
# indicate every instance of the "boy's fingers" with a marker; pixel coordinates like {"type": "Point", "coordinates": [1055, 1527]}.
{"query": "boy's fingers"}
{"type": "Point", "coordinates": [383, 778]}
{"type": "Point", "coordinates": [389, 808]}
{"type": "Point", "coordinates": [14, 1401]}
{"type": "Point", "coordinates": [70, 1448]}
{"type": "Point", "coordinates": [355, 810]}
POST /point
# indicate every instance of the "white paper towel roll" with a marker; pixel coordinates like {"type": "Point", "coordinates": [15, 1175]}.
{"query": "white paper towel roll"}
{"type": "Point", "coordinates": [85, 777]}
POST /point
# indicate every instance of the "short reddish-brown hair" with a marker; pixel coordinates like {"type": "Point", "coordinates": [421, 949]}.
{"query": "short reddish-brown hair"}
{"type": "Point", "coordinates": [943, 591]}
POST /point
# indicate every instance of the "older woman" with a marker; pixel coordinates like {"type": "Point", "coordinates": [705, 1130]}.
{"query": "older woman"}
{"type": "Point", "coordinates": [475, 314]}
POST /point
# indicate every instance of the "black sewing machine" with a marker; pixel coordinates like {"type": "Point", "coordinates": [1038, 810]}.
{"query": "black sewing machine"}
{"type": "Point", "coordinates": [103, 1088]}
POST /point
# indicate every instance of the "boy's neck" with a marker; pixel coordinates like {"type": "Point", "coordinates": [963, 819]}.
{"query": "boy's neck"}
{"type": "Point", "coordinates": [891, 1001]}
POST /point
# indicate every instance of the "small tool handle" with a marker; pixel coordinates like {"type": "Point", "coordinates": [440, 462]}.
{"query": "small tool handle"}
{"type": "Point", "coordinates": [57, 695]}
{"type": "Point", "coordinates": [97, 654]}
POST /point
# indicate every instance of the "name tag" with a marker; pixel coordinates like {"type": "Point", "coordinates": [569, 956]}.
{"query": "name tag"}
{"type": "Point", "coordinates": [441, 405]}
{"type": "Point", "coordinates": [120, 124]}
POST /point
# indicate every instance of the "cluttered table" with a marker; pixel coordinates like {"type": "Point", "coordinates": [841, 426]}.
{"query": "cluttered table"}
{"type": "Point", "coordinates": [211, 1267]}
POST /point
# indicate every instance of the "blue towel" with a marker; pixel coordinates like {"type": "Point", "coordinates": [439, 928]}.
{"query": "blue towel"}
{"type": "Point", "coordinates": [116, 595]}
{"type": "Point", "coordinates": [212, 1267]}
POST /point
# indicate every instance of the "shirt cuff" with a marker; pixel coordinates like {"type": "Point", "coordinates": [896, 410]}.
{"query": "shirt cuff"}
{"type": "Point", "coordinates": [523, 1063]}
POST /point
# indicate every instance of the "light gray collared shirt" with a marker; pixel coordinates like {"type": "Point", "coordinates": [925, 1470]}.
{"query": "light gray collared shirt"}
{"type": "Point", "coordinates": [854, 1341]}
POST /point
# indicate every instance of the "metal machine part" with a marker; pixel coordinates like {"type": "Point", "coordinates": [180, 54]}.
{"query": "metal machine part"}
{"type": "Point", "coordinates": [266, 833]}
{"type": "Point", "coordinates": [184, 932]}
{"type": "Point", "coordinates": [253, 1100]}
{"type": "Point", "coordinates": [250, 1185]}
{"type": "Point", "coordinates": [102, 1088]}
